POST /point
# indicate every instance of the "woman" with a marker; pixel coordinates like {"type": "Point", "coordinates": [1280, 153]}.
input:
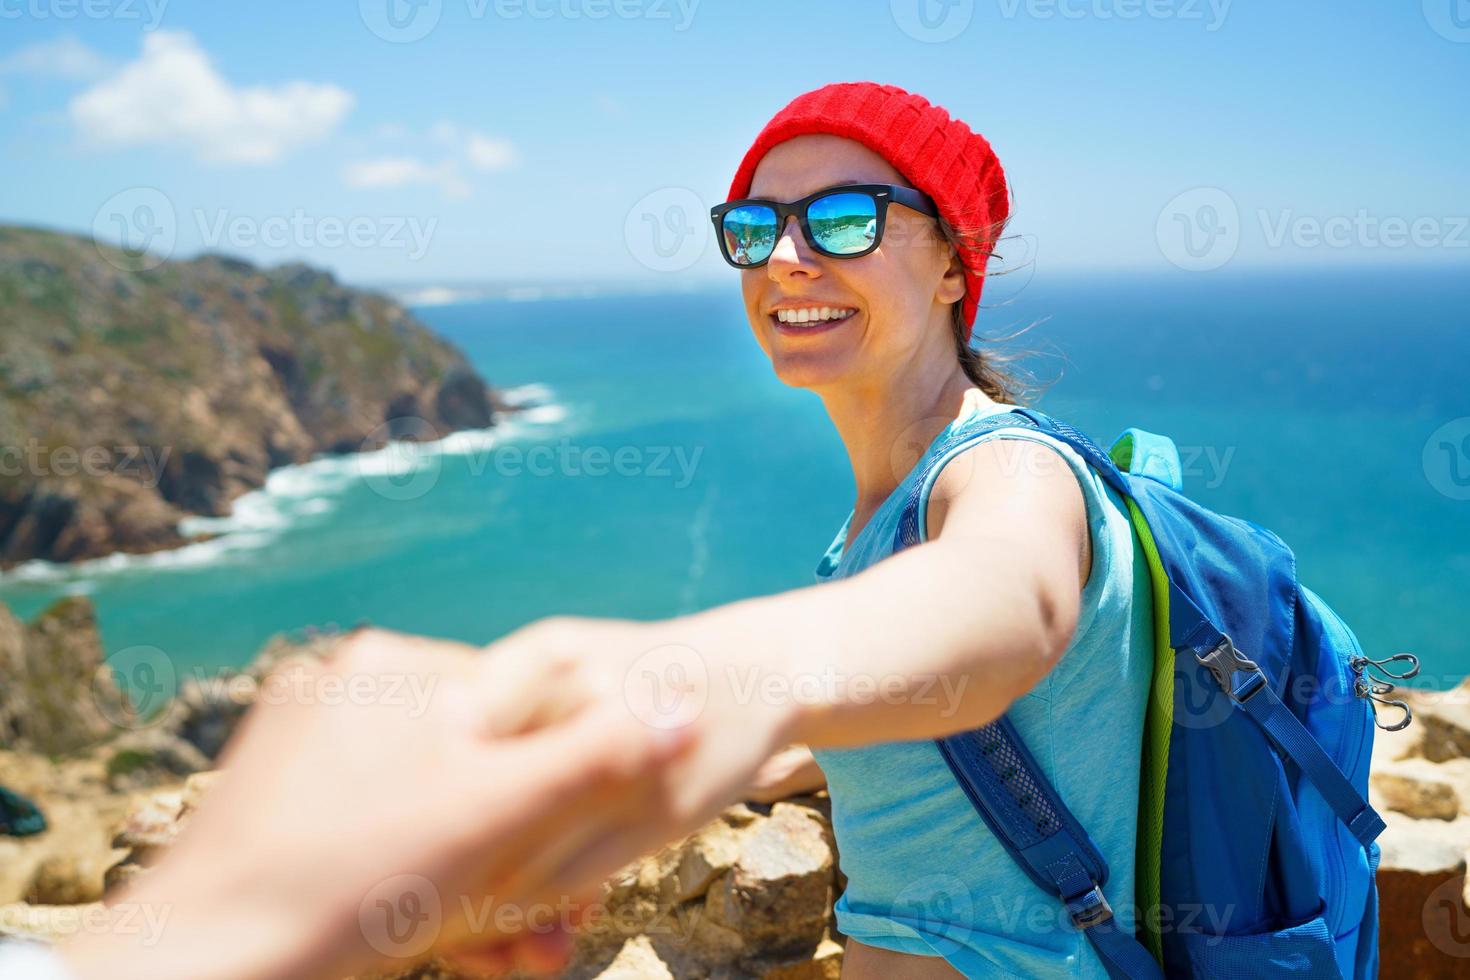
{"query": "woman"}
{"type": "Point", "coordinates": [861, 221]}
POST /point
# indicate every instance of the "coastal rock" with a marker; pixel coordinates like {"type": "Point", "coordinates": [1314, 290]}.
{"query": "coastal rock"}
{"type": "Point", "coordinates": [779, 890]}
{"type": "Point", "coordinates": [1445, 720]}
{"type": "Point", "coordinates": [1423, 913]}
{"type": "Point", "coordinates": [149, 758]}
{"type": "Point", "coordinates": [1418, 788]}
{"type": "Point", "coordinates": [207, 710]}
{"type": "Point", "coordinates": [130, 399]}
{"type": "Point", "coordinates": [57, 697]}
{"type": "Point", "coordinates": [636, 960]}
{"type": "Point", "coordinates": [767, 878]}
{"type": "Point", "coordinates": [1424, 907]}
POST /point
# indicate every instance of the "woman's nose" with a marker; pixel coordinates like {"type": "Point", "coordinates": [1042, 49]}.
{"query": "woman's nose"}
{"type": "Point", "coordinates": [791, 254]}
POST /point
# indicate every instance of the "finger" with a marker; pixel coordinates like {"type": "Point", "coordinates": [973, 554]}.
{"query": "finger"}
{"type": "Point", "coordinates": [511, 684]}
{"type": "Point", "coordinates": [600, 769]}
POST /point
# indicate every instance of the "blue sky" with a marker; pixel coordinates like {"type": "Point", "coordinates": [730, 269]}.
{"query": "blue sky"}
{"type": "Point", "coordinates": [582, 139]}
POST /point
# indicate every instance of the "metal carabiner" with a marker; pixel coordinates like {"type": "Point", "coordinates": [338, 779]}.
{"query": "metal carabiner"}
{"type": "Point", "coordinates": [1373, 691]}
{"type": "Point", "coordinates": [1359, 662]}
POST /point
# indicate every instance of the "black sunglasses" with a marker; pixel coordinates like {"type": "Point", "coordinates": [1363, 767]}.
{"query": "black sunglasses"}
{"type": "Point", "coordinates": [844, 222]}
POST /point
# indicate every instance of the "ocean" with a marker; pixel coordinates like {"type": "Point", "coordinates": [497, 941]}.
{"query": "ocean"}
{"type": "Point", "coordinates": [666, 470]}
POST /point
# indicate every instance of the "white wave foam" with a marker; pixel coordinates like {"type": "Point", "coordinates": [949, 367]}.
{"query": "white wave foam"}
{"type": "Point", "coordinates": [291, 493]}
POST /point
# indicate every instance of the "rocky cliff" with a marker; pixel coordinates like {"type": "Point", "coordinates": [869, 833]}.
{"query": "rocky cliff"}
{"type": "Point", "coordinates": [130, 399]}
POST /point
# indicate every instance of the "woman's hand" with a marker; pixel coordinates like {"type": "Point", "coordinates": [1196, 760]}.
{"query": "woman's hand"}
{"type": "Point", "coordinates": [662, 676]}
{"type": "Point", "coordinates": [791, 772]}
{"type": "Point", "coordinates": [366, 815]}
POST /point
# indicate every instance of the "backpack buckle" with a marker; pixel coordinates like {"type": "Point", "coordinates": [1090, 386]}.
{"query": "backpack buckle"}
{"type": "Point", "coordinates": [1223, 661]}
{"type": "Point", "coordinates": [1089, 908]}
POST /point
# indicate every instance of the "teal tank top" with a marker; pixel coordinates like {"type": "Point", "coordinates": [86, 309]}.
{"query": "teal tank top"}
{"type": "Point", "coordinates": [924, 873]}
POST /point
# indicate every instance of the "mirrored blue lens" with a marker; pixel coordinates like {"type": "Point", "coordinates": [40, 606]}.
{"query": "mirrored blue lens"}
{"type": "Point", "coordinates": [750, 233]}
{"type": "Point", "coordinates": [844, 223]}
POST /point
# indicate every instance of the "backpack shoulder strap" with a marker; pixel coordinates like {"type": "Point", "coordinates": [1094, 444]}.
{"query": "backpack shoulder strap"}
{"type": "Point", "coordinates": [1013, 796]}
{"type": "Point", "coordinates": [1022, 809]}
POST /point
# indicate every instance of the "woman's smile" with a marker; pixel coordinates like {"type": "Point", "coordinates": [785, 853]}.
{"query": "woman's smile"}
{"type": "Point", "coordinates": [809, 318]}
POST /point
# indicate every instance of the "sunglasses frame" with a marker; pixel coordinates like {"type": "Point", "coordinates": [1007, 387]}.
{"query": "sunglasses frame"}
{"type": "Point", "coordinates": [882, 195]}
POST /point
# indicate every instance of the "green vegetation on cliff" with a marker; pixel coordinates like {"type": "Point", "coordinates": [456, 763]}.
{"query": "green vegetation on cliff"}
{"type": "Point", "coordinates": [130, 398]}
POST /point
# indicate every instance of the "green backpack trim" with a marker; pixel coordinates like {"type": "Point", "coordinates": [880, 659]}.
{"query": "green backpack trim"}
{"type": "Point", "coordinates": [1159, 717]}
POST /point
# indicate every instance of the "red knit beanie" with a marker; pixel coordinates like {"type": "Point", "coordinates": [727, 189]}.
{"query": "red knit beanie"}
{"type": "Point", "coordinates": [938, 155]}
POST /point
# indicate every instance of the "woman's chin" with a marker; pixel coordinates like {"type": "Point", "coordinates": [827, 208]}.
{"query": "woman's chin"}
{"type": "Point", "coordinates": [811, 369]}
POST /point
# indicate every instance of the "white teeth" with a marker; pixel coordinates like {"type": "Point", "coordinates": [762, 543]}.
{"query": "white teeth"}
{"type": "Point", "coordinates": [810, 314]}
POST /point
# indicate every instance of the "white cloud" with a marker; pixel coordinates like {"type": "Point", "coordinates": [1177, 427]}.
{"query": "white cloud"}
{"type": "Point", "coordinates": [490, 154]}
{"type": "Point", "coordinates": [65, 58]}
{"type": "Point", "coordinates": [391, 172]}
{"type": "Point", "coordinates": [173, 96]}
{"type": "Point", "coordinates": [466, 149]}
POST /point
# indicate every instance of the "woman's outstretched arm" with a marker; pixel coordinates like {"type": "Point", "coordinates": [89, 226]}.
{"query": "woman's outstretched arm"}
{"type": "Point", "coordinates": [939, 638]}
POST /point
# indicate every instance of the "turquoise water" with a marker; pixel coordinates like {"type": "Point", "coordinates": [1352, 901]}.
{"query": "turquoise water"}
{"type": "Point", "coordinates": [1303, 401]}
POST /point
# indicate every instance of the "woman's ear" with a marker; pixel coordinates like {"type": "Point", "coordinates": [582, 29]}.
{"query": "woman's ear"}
{"type": "Point", "coordinates": [952, 283]}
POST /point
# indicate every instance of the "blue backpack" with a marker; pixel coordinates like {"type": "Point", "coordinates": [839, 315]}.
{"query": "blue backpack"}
{"type": "Point", "coordinates": [1253, 813]}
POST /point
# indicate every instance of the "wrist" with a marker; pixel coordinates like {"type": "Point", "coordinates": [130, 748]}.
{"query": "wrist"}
{"type": "Point", "coordinates": [770, 675]}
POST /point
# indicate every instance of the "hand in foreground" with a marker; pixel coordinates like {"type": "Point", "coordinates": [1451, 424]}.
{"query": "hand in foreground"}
{"type": "Point", "coordinates": [365, 814]}
{"type": "Point", "coordinates": [661, 676]}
